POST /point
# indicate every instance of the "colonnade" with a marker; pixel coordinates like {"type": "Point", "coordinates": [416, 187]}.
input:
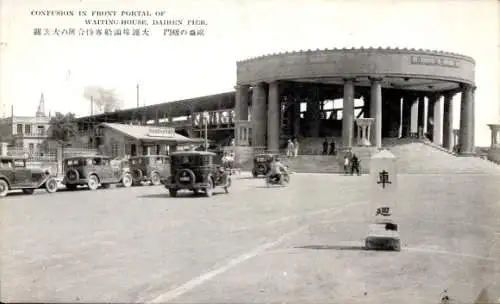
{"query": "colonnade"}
{"type": "Point", "coordinates": [265, 115]}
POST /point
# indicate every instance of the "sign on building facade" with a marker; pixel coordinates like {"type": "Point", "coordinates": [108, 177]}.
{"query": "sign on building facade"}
{"type": "Point", "coordinates": [161, 132]}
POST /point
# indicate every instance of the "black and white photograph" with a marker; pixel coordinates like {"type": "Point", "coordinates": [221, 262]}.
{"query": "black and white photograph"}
{"type": "Point", "coordinates": [250, 151]}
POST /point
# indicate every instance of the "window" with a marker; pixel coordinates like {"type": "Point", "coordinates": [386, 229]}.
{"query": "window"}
{"type": "Point", "coordinates": [19, 163]}
{"type": "Point", "coordinates": [27, 129]}
{"type": "Point", "coordinates": [136, 161]}
{"type": "Point", "coordinates": [19, 129]}
{"type": "Point", "coordinates": [6, 163]}
{"type": "Point", "coordinates": [41, 130]}
{"type": "Point", "coordinates": [31, 147]}
{"type": "Point", "coordinates": [114, 150]}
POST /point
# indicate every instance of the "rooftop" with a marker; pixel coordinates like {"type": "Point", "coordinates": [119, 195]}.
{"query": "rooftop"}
{"type": "Point", "coordinates": [144, 133]}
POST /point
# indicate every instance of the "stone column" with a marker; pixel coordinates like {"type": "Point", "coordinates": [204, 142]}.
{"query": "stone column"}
{"type": "Point", "coordinates": [240, 110]}
{"type": "Point", "coordinates": [426, 106]}
{"type": "Point", "coordinates": [376, 111]}
{"type": "Point", "coordinates": [466, 138]}
{"type": "Point", "coordinates": [315, 118]}
{"type": "Point", "coordinates": [494, 128]}
{"type": "Point", "coordinates": [241, 102]}
{"type": "Point", "coordinates": [421, 115]}
{"type": "Point", "coordinates": [406, 116]}
{"type": "Point", "coordinates": [431, 100]}
{"type": "Point", "coordinates": [273, 118]}
{"type": "Point", "coordinates": [448, 121]}
{"type": "Point", "coordinates": [314, 106]}
{"type": "Point", "coordinates": [296, 117]}
{"type": "Point", "coordinates": [259, 116]}
{"type": "Point", "coordinates": [414, 116]}
{"type": "Point", "coordinates": [437, 128]}
{"type": "Point", "coordinates": [348, 113]}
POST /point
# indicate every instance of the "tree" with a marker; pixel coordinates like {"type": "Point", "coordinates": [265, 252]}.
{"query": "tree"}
{"type": "Point", "coordinates": [62, 127]}
{"type": "Point", "coordinates": [104, 100]}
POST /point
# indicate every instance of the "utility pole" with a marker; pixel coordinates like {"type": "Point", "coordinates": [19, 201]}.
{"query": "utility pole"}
{"type": "Point", "coordinates": [91, 105]}
{"type": "Point", "coordinates": [137, 97]}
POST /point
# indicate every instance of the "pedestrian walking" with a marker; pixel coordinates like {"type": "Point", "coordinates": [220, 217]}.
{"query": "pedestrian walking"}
{"type": "Point", "coordinates": [346, 164]}
{"type": "Point", "coordinates": [332, 148]}
{"type": "Point", "coordinates": [289, 149]}
{"type": "Point", "coordinates": [296, 147]}
{"type": "Point", "coordinates": [325, 147]}
{"type": "Point", "coordinates": [355, 165]}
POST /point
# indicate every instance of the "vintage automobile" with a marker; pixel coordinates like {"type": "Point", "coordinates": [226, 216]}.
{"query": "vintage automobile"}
{"type": "Point", "coordinates": [94, 170]}
{"type": "Point", "coordinates": [149, 168]}
{"type": "Point", "coordinates": [261, 164]}
{"type": "Point", "coordinates": [15, 175]}
{"type": "Point", "coordinates": [195, 171]}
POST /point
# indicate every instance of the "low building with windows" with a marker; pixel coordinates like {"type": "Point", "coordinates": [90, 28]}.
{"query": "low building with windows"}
{"type": "Point", "coordinates": [123, 140]}
{"type": "Point", "coordinates": [25, 133]}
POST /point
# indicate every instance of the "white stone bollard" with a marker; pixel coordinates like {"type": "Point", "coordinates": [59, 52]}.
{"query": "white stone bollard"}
{"type": "Point", "coordinates": [383, 209]}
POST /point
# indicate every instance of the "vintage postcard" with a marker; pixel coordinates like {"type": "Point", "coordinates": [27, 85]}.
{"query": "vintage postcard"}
{"type": "Point", "coordinates": [219, 151]}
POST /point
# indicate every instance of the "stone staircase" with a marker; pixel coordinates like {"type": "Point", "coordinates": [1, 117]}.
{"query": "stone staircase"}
{"type": "Point", "coordinates": [420, 158]}
{"type": "Point", "coordinates": [413, 157]}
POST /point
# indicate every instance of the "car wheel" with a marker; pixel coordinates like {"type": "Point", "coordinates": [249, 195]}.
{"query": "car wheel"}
{"type": "Point", "coordinates": [209, 191]}
{"type": "Point", "coordinates": [127, 180]}
{"type": "Point", "coordinates": [51, 185]}
{"type": "Point", "coordinates": [28, 191]}
{"type": "Point", "coordinates": [4, 188]}
{"type": "Point", "coordinates": [172, 192]}
{"type": "Point", "coordinates": [155, 179]}
{"type": "Point", "coordinates": [93, 182]}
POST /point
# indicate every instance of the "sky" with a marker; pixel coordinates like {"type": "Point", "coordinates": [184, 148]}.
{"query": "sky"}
{"type": "Point", "coordinates": [173, 68]}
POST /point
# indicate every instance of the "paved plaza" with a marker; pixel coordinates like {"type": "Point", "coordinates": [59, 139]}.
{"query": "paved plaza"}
{"type": "Point", "coordinates": [300, 244]}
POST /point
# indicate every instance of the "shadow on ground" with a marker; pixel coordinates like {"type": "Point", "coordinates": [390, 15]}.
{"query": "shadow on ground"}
{"type": "Point", "coordinates": [179, 195]}
{"type": "Point", "coordinates": [333, 247]}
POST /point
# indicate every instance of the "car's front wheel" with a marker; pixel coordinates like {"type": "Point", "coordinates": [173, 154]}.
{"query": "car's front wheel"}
{"type": "Point", "coordinates": [93, 182]}
{"type": "Point", "coordinates": [155, 179]}
{"type": "Point", "coordinates": [127, 180]}
{"type": "Point", "coordinates": [51, 185]}
{"type": "Point", "coordinates": [4, 188]}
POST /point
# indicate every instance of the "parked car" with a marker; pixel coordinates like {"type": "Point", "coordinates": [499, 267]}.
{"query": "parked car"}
{"type": "Point", "coordinates": [195, 171]}
{"type": "Point", "coordinates": [15, 175]}
{"type": "Point", "coordinates": [262, 163]}
{"type": "Point", "coordinates": [93, 171]}
{"type": "Point", "coordinates": [149, 168]}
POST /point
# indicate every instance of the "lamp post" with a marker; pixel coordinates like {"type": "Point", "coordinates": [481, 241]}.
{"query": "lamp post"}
{"type": "Point", "coordinates": [205, 123]}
